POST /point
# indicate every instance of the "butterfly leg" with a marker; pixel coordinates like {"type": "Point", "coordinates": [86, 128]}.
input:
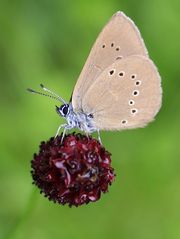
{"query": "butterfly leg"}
{"type": "Point", "coordinates": [87, 135]}
{"type": "Point", "coordinates": [61, 126]}
{"type": "Point", "coordinates": [66, 127]}
{"type": "Point", "coordinates": [99, 137]}
{"type": "Point", "coordinates": [64, 132]}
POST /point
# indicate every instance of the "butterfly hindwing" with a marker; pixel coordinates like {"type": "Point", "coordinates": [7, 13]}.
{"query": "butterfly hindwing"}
{"type": "Point", "coordinates": [126, 94]}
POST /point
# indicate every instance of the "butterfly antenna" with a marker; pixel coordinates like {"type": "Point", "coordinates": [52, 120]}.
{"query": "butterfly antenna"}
{"type": "Point", "coordinates": [52, 93]}
{"type": "Point", "coordinates": [39, 93]}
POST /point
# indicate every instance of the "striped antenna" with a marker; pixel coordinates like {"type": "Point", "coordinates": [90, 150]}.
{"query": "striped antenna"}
{"type": "Point", "coordinates": [52, 94]}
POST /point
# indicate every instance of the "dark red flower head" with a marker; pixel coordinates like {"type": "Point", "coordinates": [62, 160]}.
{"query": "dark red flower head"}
{"type": "Point", "coordinates": [74, 172]}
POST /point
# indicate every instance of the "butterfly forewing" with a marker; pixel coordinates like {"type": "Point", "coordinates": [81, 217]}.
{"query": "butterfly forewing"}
{"type": "Point", "coordinates": [127, 94]}
{"type": "Point", "coordinates": [119, 38]}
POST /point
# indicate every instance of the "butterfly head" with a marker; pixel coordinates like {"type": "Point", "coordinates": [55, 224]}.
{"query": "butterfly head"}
{"type": "Point", "coordinates": [63, 110]}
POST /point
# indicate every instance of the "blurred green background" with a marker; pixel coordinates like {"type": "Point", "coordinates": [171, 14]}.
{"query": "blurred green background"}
{"type": "Point", "coordinates": [48, 42]}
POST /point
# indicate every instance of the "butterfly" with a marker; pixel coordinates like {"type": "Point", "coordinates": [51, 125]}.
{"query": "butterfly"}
{"type": "Point", "coordinates": [119, 86]}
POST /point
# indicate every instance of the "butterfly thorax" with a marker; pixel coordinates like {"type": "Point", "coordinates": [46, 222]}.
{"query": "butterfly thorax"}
{"type": "Point", "coordinates": [80, 120]}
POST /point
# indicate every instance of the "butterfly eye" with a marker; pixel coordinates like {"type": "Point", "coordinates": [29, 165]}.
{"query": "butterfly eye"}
{"type": "Point", "coordinates": [63, 110]}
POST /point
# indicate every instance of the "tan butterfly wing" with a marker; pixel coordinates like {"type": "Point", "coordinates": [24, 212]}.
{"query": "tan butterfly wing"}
{"type": "Point", "coordinates": [118, 39]}
{"type": "Point", "coordinates": [127, 94]}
